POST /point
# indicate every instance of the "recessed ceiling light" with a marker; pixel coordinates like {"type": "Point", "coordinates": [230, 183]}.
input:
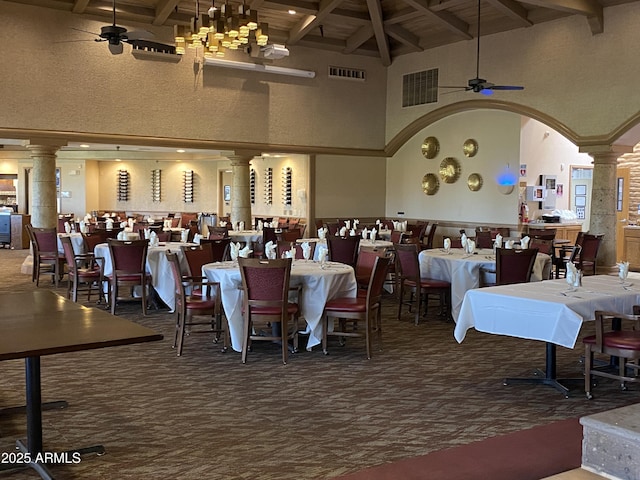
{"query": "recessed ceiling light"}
{"type": "Point", "coordinates": [84, 145]}
{"type": "Point", "coordinates": [181, 150]}
{"type": "Point", "coordinates": [118, 160]}
{"type": "Point", "coordinates": [292, 12]}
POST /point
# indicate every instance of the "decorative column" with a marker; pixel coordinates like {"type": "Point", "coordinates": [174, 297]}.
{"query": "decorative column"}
{"type": "Point", "coordinates": [44, 208]}
{"type": "Point", "coordinates": [603, 205]}
{"type": "Point", "coordinates": [241, 192]}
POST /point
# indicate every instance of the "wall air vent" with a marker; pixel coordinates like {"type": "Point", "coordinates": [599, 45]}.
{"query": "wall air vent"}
{"type": "Point", "coordinates": [420, 88]}
{"type": "Point", "coordinates": [347, 73]}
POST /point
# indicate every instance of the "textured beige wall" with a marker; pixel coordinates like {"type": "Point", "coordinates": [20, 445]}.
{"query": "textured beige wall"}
{"type": "Point", "coordinates": [632, 160]}
{"type": "Point", "coordinates": [81, 87]}
{"type": "Point", "coordinates": [582, 80]}
{"type": "Point", "coordinates": [349, 186]}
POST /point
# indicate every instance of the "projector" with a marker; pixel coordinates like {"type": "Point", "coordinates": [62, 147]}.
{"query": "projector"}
{"type": "Point", "coordinates": [275, 51]}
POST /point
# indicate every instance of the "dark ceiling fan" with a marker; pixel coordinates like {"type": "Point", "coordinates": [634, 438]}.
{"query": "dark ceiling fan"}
{"type": "Point", "coordinates": [477, 84]}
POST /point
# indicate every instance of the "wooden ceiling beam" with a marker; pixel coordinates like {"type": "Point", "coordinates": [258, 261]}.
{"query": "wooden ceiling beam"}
{"type": "Point", "coordinates": [79, 6]}
{"type": "Point", "coordinates": [363, 34]}
{"type": "Point", "coordinates": [310, 22]}
{"type": "Point", "coordinates": [375, 12]}
{"type": "Point", "coordinates": [405, 37]}
{"type": "Point", "coordinates": [513, 10]}
{"type": "Point", "coordinates": [164, 8]}
{"type": "Point", "coordinates": [446, 19]}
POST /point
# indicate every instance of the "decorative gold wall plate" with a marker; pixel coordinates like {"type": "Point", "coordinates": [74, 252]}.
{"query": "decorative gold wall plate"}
{"type": "Point", "coordinates": [470, 147]}
{"type": "Point", "coordinates": [450, 170]}
{"type": "Point", "coordinates": [474, 182]}
{"type": "Point", "coordinates": [430, 184]}
{"type": "Point", "coordinates": [430, 147]}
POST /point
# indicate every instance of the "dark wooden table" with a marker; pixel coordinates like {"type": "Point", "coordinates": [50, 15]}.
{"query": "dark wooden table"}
{"type": "Point", "coordinates": [38, 323]}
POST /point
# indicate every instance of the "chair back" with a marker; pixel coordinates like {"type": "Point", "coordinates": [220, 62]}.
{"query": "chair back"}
{"type": "Point", "coordinates": [483, 239]}
{"type": "Point", "coordinates": [193, 229]}
{"type": "Point", "coordinates": [265, 282]}
{"type": "Point", "coordinates": [377, 279]}
{"type": "Point", "coordinates": [196, 256]}
{"type": "Point", "coordinates": [343, 250]}
{"type": "Point", "coordinates": [590, 246]}
{"type": "Point", "coordinates": [407, 265]}
{"type": "Point", "coordinates": [269, 235]}
{"type": "Point", "coordinates": [514, 266]}
{"type": "Point", "coordinates": [45, 241]}
{"type": "Point", "coordinates": [292, 234]}
{"type": "Point", "coordinates": [366, 261]}
{"type": "Point", "coordinates": [216, 233]}
{"type": "Point", "coordinates": [431, 235]}
{"type": "Point", "coordinates": [174, 266]}
{"type": "Point", "coordinates": [128, 257]}
{"type": "Point", "coordinates": [69, 254]}
{"type": "Point", "coordinates": [543, 233]}
{"type": "Point", "coordinates": [219, 248]}
{"type": "Point", "coordinates": [94, 238]}
{"type": "Point", "coordinates": [333, 228]}
{"type": "Point", "coordinates": [543, 245]}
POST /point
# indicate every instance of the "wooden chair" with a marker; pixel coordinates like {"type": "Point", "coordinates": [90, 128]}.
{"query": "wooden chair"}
{"type": "Point", "coordinates": [343, 250]}
{"type": "Point", "coordinates": [292, 234]}
{"type": "Point", "coordinates": [46, 258]}
{"type": "Point", "coordinates": [483, 239]}
{"type": "Point", "coordinates": [83, 270]}
{"type": "Point", "coordinates": [409, 278]}
{"type": "Point", "coordinates": [514, 266]}
{"type": "Point", "coordinates": [365, 265]}
{"type": "Point", "coordinates": [94, 238]}
{"type": "Point", "coordinates": [587, 256]}
{"type": "Point", "coordinates": [265, 285]}
{"type": "Point", "coordinates": [195, 297]}
{"type": "Point", "coordinates": [216, 233]}
{"type": "Point", "coordinates": [359, 309]}
{"type": "Point", "coordinates": [428, 244]}
{"type": "Point", "coordinates": [333, 228]}
{"type": "Point", "coordinates": [219, 248]}
{"type": "Point", "coordinates": [128, 262]}
{"type": "Point", "coordinates": [610, 340]}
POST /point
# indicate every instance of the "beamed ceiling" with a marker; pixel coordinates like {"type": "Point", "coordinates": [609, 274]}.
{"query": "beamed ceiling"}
{"type": "Point", "coordinates": [379, 28]}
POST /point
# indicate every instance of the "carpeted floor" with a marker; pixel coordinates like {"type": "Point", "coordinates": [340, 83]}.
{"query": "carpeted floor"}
{"type": "Point", "coordinates": [207, 416]}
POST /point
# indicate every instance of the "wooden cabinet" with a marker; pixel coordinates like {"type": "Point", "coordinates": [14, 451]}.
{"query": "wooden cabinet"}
{"type": "Point", "coordinates": [19, 235]}
{"type": "Point", "coordinates": [632, 247]}
{"type": "Point", "coordinates": [564, 231]}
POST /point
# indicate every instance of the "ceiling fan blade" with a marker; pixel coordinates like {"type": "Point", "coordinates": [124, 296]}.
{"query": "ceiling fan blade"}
{"type": "Point", "coordinates": [462, 87]}
{"type": "Point", "coordinates": [506, 87]}
{"type": "Point", "coordinates": [85, 31]}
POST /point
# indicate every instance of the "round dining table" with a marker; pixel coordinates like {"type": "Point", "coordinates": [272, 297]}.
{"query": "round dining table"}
{"type": "Point", "coordinates": [320, 283]}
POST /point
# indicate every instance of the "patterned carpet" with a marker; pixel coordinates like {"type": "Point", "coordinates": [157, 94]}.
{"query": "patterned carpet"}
{"type": "Point", "coordinates": [206, 416]}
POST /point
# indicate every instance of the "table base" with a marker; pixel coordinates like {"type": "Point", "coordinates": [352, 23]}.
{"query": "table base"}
{"type": "Point", "coordinates": [547, 377]}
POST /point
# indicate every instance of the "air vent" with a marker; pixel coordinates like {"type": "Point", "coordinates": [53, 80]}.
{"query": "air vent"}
{"type": "Point", "coordinates": [420, 88]}
{"type": "Point", "coordinates": [347, 73]}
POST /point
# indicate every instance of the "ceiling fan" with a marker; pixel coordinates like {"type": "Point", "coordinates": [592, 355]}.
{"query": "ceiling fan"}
{"type": "Point", "coordinates": [477, 84]}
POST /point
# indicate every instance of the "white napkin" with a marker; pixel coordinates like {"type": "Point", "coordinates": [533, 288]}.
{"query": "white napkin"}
{"type": "Point", "coordinates": [287, 254]}
{"type": "Point", "coordinates": [167, 223]}
{"type": "Point", "coordinates": [260, 225]}
{"type": "Point", "coordinates": [471, 246]}
{"type": "Point", "coordinates": [123, 225]}
{"type": "Point", "coordinates": [222, 223]}
{"type": "Point", "coordinates": [306, 250]}
{"type": "Point", "coordinates": [153, 239]}
{"type": "Point", "coordinates": [322, 256]}
{"type": "Point", "coordinates": [130, 221]}
{"type": "Point", "coordinates": [355, 222]}
{"type": "Point", "coordinates": [623, 270]}
{"type": "Point", "coordinates": [270, 250]}
{"type": "Point", "coordinates": [87, 218]}
{"type": "Point", "coordinates": [403, 226]}
{"type": "Point", "coordinates": [83, 227]}
{"type": "Point", "coordinates": [321, 233]}
{"type": "Point", "coordinates": [347, 224]}
{"type": "Point", "coordinates": [147, 233]}
{"type": "Point", "coordinates": [109, 223]}
{"type": "Point", "coordinates": [447, 244]}
{"type": "Point", "coordinates": [508, 244]}
{"type": "Point", "coordinates": [106, 215]}
{"type": "Point", "coordinates": [571, 273]}
{"type": "Point", "coordinates": [122, 235]}
{"type": "Point", "coordinates": [365, 233]}
{"type": "Point", "coordinates": [524, 242]}
{"type": "Point", "coordinates": [343, 232]}
{"type": "Point", "coordinates": [498, 242]}
{"type": "Point", "coordinates": [151, 220]}
{"type": "Point", "coordinates": [352, 232]}
{"type": "Point", "coordinates": [244, 252]}
{"type": "Point", "coordinates": [234, 248]}
{"type": "Point", "coordinates": [464, 240]}
{"type": "Point", "coordinates": [378, 222]}
{"type": "Point", "coordinates": [67, 227]}
{"type": "Point", "coordinates": [196, 238]}
{"type": "Point", "coordinates": [372, 235]}
{"type": "Point", "coordinates": [184, 235]}
{"type": "Point", "coordinates": [240, 225]}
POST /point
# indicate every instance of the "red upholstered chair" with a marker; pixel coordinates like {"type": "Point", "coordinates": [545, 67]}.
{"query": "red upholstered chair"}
{"type": "Point", "coordinates": [483, 239]}
{"type": "Point", "coordinates": [588, 254]}
{"type": "Point", "coordinates": [83, 270]}
{"type": "Point", "coordinates": [364, 266]}
{"type": "Point", "coordinates": [94, 238]}
{"type": "Point", "coordinates": [431, 232]}
{"type": "Point", "coordinates": [514, 266]}
{"type": "Point", "coordinates": [618, 342]}
{"type": "Point", "coordinates": [343, 250]}
{"type": "Point", "coordinates": [164, 236]}
{"type": "Point", "coordinates": [333, 228]}
{"type": "Point", "coordinates": [265, 285]}
{"type": "Point", "coordinates": [292, 234]}
{"type": "Point", "coordinates": [216, 233]}
{"type": "Point", "coordinates": [219, 248]}
{"type": "Point", "coordinates": [46, 258]}
{"type": "Point", "coordinates": [189, 305]}
{"type": "Point", "coordinates": [409, 278]}
{"type": "Point", "coordinates": [351, 311]}
{"type": "Point", "coordinates": [128, 262]}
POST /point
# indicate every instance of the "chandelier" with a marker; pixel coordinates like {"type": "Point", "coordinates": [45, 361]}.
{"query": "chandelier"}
{"type": "Point", "coordinates": [221, 29]}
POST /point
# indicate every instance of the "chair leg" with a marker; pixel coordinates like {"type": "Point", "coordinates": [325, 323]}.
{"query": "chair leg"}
{"type": "Point", "coordinates": [284, 335]}
{"type": "Point", "coordinates": [367, 334]}
{"type": "Point", "coordinates": [113, 294]}
{"type": "Point", "coordinates": [325, 328]}
{"type": "Point", "coordinates": [418, 301]}
{"type": "Point", "coordinates": [400, 299]}
{"type": "Point", "coordinates": [245, 337]}
{"type": "Point", "coordinates": [588, 365]}
{"type": "Point", "coordinates": [185, 319]}
{"type": "Point", "coordinates": [144, 298]}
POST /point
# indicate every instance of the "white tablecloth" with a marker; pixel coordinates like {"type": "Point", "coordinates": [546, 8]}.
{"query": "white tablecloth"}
{"type": "Point", "coordinates": [157, 266]}
{"type": "Point", "coordinates": [546, 311]}
{"type": "Point", "coordinates": [76, 240]}
{"type": "Point", "coordinates": [246, 236]}
{"type": "Point", "coordinates": [322, 245]}
{"type": "Point", "coordinates": [318, 286]}
{"type": "Point", "coordinates": [463, 271]}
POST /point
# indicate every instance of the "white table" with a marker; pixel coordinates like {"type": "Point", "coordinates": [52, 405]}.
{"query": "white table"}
{"type": "Point", "coordinates": [322, 245]}
{"type": "Point", "coordinates": [318, 286]}
{"type": "Point", "coordinates": [546, 311]}
{"type": "Point", "coordinates": [76, 240]}
{"type": "Point", "coordinates": [246, 236]}
{"type": "Point", "coordinates": [157, 265]}
{"type": "Point", "coordinates": [464, 271]}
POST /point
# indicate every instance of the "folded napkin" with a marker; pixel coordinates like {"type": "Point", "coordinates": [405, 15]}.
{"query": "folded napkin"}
{"type": "Point", "coordinates": [67, 227]}
{"type": "Point", "coordinates": [123, 225]}
{"type": "Point", "coordinates": [244, 252]}
{"type": "Point", "coordinates": [574, 276]}
{"type": "Point", "coordinates": [524, 242]}
{"type": "Point", "coordinates": [260, 225]}
{"type": "Point", "coordinates": [464, 240]}
{"type": "Point", "coordinates": [498, 241]}
{"type": "Point", "coordinates": [106, 215]}
{"type": "Point", "coordinates": [365, 233]}
{"type": "Point", "coordinates": [222, 223]}
{"type": "Point", "coordinates": [347, 224]}
{"type": "Point", "coordinates": [321, 233]}
{"type": "Point", "coordinates": [87, 218]}
{"type": "Point", "coordinates": [153, 239]}
{"type": "Point", "coordinates": [147, 233]}
{"type": "Point", "coordinates": [471, 246]}
{"type": "Point", "coordinates": [234, 248]}
{"type": "Point", "coordinates": [372, 235]}
{"type": "Point", "coordinates": [109, 223]}
{"type": "Point", "coordinates": [184, 235]}
{"type": "Point", "coordinates": [122, 235]}
{"type": "Point", "coordinates": [447, 244]}
{"type": "Point", "coordinates": [166, 223]}
{"type": "Point", "coordinates": [270, 250]}
{"type": "Point", "coordinates": [151, 220]}
{"type": "Point", "coordinates": [508, 244]}
{"type": "Point", "coordinates": [355, 222]}
{"type": "Point", "coordinates": [196, 238]}
{"type": "Point", "coordinates": [240, 225]}
{"type": "Point", "coordinates": [352, 232]}
{"type": "Point", "coordinates": [322, 255]}
{"type": "Point", "coordinates": [378, 222]}
{"type": "Point", "coordinates": [343, 232]}
{"type": "Point", "coordinates": [83, 227]}
{"type": "Point", "coordinates": [130, 221]}
{"type": "Point", "coordinates": [623, 270]}
{"type": "Point", "coordinates": [306, 250]}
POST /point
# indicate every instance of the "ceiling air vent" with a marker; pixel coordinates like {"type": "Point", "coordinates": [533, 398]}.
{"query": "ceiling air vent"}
{"type": "Point", "coordinates": [347, 73]}
{"type": "Point", "coordinates": [420, 88]}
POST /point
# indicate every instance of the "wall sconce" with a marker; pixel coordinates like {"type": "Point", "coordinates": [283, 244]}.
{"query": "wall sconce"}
{"type": "Point", "coordinates": [286, 186]}
{"type": "Point", "coordinates": [156, 185]}
{"type": "Point", "coordinates": [187, 192]}
{"type": "Point", "coordinates": [506, 181]}
{"type": "Point", "coordinates": [268, 185]}
{"type": "Point", "coordinates": [123, 185]}
{"type": "Point", "coordinates": [252, 186]}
